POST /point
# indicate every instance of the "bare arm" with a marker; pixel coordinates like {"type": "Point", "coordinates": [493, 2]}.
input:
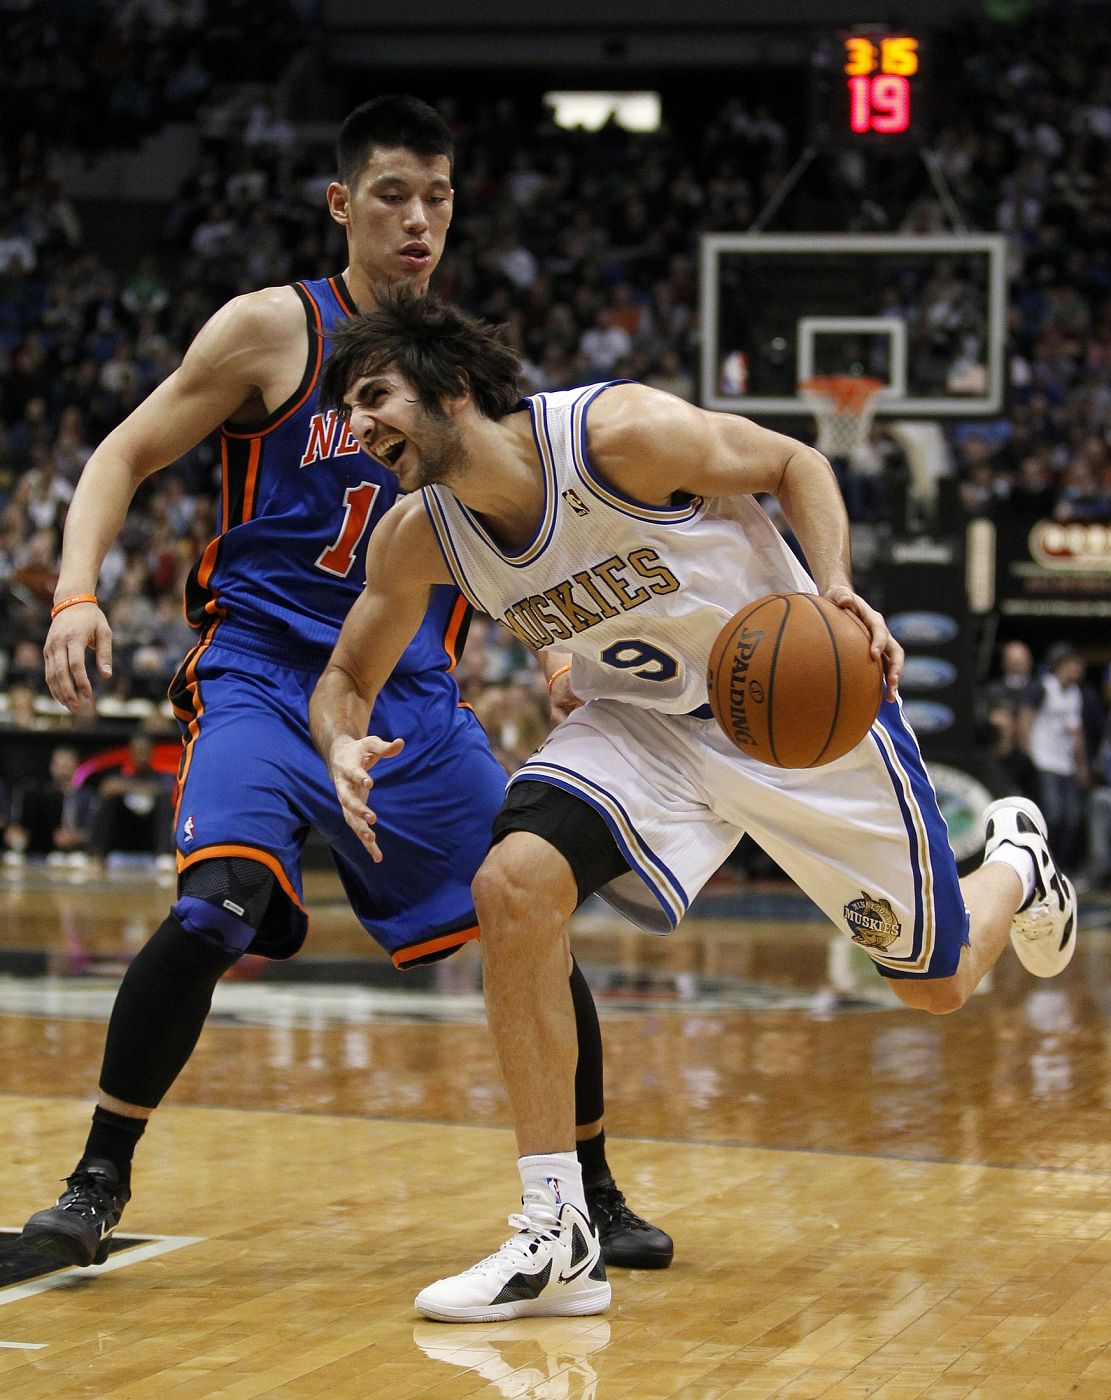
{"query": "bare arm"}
{"type": "Point", "coordinates": [651, 445]}
{"type": "Point", "coordinates": [236, 358]}
{"type": "Point", "coordinates": [403, 562]}
{"type": "Point", "coordinates": [556, 668]}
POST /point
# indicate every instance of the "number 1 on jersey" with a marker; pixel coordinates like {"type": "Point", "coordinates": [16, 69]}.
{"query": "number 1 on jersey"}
{"type": "Point", "coordinates": [358, 501]}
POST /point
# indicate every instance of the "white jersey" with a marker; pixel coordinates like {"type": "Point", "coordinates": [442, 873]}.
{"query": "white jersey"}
{"type": "Point", "coordinates": [637, 593]}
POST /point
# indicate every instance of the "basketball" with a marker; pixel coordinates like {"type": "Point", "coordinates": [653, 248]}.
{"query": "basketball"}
{"type": "Point", "coordinates": [792, 680]}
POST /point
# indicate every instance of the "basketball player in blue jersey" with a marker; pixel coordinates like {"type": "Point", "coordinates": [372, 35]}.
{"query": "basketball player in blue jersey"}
{"type": "Point", "coordinates": [267, 598]}
{"type": "Point", "coordinates": [618, 524]}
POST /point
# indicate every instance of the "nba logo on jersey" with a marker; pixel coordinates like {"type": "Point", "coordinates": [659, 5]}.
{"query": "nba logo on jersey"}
{"type": "Point", "coordinates": [574, 500]}
{"type": "Point", "coordinates": [187, 829]}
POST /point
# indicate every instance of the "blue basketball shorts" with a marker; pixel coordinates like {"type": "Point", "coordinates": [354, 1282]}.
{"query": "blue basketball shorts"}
{"type": "Point", "coordinates": [251, 783]}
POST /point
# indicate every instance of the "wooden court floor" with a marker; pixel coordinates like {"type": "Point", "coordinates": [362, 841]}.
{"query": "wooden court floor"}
{"type": "Point", "coordinates": [865, 1201]}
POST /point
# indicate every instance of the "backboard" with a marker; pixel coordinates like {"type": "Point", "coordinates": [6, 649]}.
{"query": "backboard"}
{"type": "Point", "coordinates": [924, 313]}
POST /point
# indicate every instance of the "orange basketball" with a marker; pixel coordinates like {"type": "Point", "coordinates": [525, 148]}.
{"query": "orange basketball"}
{"type": "Point", "coordinates": [792, 680]}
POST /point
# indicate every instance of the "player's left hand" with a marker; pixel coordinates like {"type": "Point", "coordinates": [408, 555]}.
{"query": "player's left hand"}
{"type": "Point", "coordinates": [349, 764]}
{"type": "Point", "coordinates": [563, 699]}
{"type": "Point", "coordinates": [884, 646]}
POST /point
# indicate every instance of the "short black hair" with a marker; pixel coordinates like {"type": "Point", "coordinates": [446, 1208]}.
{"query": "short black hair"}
{"type": "Point", "coordinates": [1061, 652]}
{"type": "Point", "coordinates": [392, 121]}
{"type": "Point", "coordinates": [440, 350]}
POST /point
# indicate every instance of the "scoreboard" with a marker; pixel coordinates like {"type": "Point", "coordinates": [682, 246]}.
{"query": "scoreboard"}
{"type": "Point", "coordinates": [869, 89]}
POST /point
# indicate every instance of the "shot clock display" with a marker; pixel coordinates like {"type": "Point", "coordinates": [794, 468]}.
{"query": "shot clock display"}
{"type": "Point", "coordinates": [879, 76]}
{"type": "Point", "coordinates": [869, 88]}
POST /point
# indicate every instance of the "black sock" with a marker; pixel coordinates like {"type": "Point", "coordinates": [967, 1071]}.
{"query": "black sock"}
{"type": "Point", "coordinates": [592, 1158]}
{"type": "Point", "coordinates": [114, 1137]}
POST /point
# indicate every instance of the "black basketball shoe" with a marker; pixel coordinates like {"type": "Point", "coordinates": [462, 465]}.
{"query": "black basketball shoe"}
{"type": "Point", "coordinates": [78, 1228]}
{"type": "Point", "coordinates": [628, 1242]}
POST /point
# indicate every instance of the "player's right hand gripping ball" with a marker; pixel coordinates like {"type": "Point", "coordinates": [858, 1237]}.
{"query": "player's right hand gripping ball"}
{"type": "Point", "coordinates": [793, 682]}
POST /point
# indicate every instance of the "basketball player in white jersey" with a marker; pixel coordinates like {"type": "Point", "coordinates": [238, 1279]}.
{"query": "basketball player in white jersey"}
{"type": "Point", "coordinates": [618, 525]}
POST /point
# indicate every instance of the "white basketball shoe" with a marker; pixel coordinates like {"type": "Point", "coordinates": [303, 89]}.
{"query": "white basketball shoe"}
{"type": "Point", "coordinates": [1044, 931]}
{"type": "Point", "coordinates": [552, 1266]}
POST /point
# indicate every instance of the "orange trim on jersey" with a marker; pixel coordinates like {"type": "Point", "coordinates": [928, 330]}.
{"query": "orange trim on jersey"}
{"type": "Point", "coordinates": [314, 371]}
{"type": "Point", "coordinates": [342, 295]}
{"type": "Point", "coordinates": [404, 956]}
{"type": "Point", "coordinates": [225, 497]}
{"type": "Point", "coordinates": [193, 686]}
{"type": "Point", "coordinates": [455, 623]}
{"type": "Point", "coordinates": [212, 549]}
{"type": "Point", "coordinates": [204, 573]}
{"type": "Point", "coordinates": [271, 862]}
{"type": "Point", "coordinates": [250, 485]}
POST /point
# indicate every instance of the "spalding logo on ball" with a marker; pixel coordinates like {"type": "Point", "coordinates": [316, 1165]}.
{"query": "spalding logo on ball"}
{"type": "Point", "coordinates": [793, 681]}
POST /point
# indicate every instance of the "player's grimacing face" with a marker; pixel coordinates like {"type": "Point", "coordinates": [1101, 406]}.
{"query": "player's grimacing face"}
{"type": "Point", "coordinates": [396, 213]}
{"type": "Point", "coordinates": [391, 425]}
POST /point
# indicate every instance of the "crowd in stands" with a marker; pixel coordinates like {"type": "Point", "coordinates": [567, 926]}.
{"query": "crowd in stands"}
{"type": "Point", "coordinates": [1048, 726]}
{"type": "Point", "coordinates": [583, 244]}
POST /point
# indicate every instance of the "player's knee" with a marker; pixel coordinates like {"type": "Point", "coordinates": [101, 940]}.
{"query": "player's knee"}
{"type": "Point", "coordinates": [224, 901]}
{"type": "Point", "coordinates": [510, 893]}
{"type": "Point", "coordinates": [499, 891]}
{"type": "Point", "coordinates": [939, 995]}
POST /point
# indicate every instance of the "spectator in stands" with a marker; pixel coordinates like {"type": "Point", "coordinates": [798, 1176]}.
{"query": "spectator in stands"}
{"type": "Point", "coordinates": [1099, 805]}
{"type": "Point", "coordinates": [1054, 725]}
{"type": "Point", "coordinates": [135, 812]}
{"type": "Point", "coordinates": [20, 712]}
{"type": "Point", "coordinates": [604, 344]}
{"type": "Point", "coordinates": [50, 816]}
{"type": "Point", "coordinates": [1004, 704]}
{"type": "Point", "coordinates": [514, 720]}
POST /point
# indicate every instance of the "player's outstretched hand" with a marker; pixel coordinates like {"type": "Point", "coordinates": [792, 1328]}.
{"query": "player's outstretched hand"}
{"type": "Point", "coordinates": [350, 765]}
{"type": "Point", "coordinates": [73, 632]}
{"type": "Point", "coordinates": [884, 646]}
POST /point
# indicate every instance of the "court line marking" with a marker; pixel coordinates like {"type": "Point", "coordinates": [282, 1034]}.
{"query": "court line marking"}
{"type": "Point", "coordinates": [23, 1346]}
{"type": "Point", "coordinates": [159, 1244]}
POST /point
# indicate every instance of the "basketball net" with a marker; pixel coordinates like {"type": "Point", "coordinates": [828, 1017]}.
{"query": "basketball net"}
{"type": "Point", "coordinates": [844, 406]}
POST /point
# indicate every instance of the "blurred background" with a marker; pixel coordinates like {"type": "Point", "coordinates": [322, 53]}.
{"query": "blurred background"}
{"type": "Point", "coordinates": [886, 231]}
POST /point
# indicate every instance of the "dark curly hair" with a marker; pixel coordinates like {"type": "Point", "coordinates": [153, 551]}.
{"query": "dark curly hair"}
{"type": "Point", "coordinates": [440, 350]}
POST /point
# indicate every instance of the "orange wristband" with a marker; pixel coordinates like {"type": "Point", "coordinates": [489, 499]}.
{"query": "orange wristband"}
{"type": "Point", "coordinates": [559, 671]}
{"type": "Point", "coordinates": [63, 603]}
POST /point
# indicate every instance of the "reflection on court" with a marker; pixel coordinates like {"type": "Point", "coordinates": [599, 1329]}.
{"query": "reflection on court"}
{"type": "Point", "coordinates": [864, 1201]}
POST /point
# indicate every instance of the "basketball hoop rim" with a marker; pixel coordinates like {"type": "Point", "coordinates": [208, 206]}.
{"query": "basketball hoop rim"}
{"type": "Point", "coordinates": [848, 393]}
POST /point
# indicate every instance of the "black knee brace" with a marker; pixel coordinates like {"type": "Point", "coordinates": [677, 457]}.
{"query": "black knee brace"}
{"type": "Point", "coordinates": [224, 900]}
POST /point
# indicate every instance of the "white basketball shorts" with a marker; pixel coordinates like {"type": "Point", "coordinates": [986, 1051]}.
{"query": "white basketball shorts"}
{"type": "Point", "coordinates": [862, 836]}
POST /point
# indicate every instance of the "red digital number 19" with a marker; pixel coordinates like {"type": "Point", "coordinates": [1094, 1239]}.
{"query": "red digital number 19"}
{"type": "Point", "coordinates": [880, 103]}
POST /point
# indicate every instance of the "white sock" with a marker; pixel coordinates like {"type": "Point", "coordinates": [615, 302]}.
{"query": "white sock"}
{"type": "Point", "coordinates": [1021, 862]}
{"type": "Point", "coordinates": [558, 1173]}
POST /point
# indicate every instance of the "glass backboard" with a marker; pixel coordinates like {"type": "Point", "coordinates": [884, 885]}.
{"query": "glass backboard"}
{"type": "Point", "coordinates": [924, 314]}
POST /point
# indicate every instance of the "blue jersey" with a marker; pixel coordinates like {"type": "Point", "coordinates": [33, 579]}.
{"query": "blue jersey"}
{"type": "Point", "coordinates": [268, 596]}
{"type": "Point", "coordinates": [299, 499]}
